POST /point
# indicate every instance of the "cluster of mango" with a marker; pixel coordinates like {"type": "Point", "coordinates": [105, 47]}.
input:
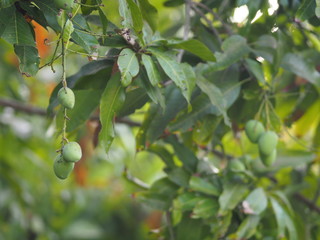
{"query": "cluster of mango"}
{"type": "Point", "coordinates": [267, 141]}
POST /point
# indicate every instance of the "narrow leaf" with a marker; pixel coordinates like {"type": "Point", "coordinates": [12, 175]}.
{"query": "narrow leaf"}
{"type": "Point", "coordinates": [111, 102]}
{"type": "Point", "coordinates": [306, 10]}
{"type": "Point", "coordinates": [256, 202]}
{"type": "Point", "coordinates": [152, 70]}
{"type": "Point", "coordinates": [215, 96]}
{"type": "Point", "coordinates": [194, 46]}
{"type": "Point", "coordinates": [201, 185]}
{"type": "Point", "coordinates": [181, 74]}
{"type": "Point", "coordinates": [149, 13]}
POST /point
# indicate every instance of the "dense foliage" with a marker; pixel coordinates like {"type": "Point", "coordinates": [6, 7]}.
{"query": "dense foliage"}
{"type": "Point", "coordinates": [186, 99]}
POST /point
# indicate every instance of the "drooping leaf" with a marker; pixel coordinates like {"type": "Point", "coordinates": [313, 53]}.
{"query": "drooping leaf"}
{"type": "Point", "coordinates": [35, 13]}
{"type": "Point", "coordinates": [152, 70]}
{"type": "Point", "coordinates": [306, 10]}
{"type": "Point", "coordinates": [50, 12]}
{"type": "Point", "coordinates": [186, 201]}
{"type": "Point", "coordinates": [29, 59]}
{"type": "Point", "coordinates": [135, 99]}
{"type": "Point", "coordinates": [194, 46]}
{"type": "Point", "coordinates": [173, 3]}
{"type": "Point", "coordinates": [190, 229]}
{"type": "Point", "coordinates": [67, 31]}
{"type": "Point", "coordinates": [128, 65]}
{"type": "Point", "coordinates": [111, 102]}
{"type": "Point", "coordinates": [90, 5]}
{"type": "Point", "coordinates": [215, 96]}
{"type": "Point", "coordinates": [181, 74]}
{"type": "Point", "coordinates": [137, 22]}
{"type": "Point", "coordinates": [256, 201]}
{"type": "Point", "coordinates": [83, 108]}
{"type": "Point", "coordinates": [154, 92]}
{"type": "Point", "coordinates": [104, 22]}
{"type": "Point", "coordinates": [296, 64]}
{"type": "Point", "coordinates": [232, 194]}
{"type": "Point", "coordinates": [15, 29]}
{"type": "Point", "coordinates": [234, 47]}
{"type": "Point", "coordinates": [149, 13]}
{"type": "Point", "coordinates": [201, 185]}
{"type": "Point", "coordinates": [256, 70]}
{"type": "Point", "coordinates": [125, 14]}
{"type": "Point", "coordinates": [179, 176]}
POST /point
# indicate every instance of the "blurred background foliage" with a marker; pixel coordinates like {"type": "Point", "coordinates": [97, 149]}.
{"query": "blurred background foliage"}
{"type": "Point", "coordinates": [103, 198]}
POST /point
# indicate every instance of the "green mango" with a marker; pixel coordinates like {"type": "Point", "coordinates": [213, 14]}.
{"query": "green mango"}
{"type": "Point", "coordinates": [253, 130]}
{"type": "Point", "coordinates": [267, 142]}
{"type": "Point", "coordinates": [268, 160]}
{"type": "Point", "coordinates": [71, 152]}
{"type": "Point", "coordinates": [61, 168]}
{"type": "Point", "coordinates": [236, 165]}
{"type": "Point", "coordinates": [66, 98]}
{"type": "Point", "coordinates": [64, 4]}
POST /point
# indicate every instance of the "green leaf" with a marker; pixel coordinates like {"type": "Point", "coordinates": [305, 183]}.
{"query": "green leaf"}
{"type": "Point", "coordinates": [156, 120]}
{"type": "Point", "coordinates": [153, 91]}
{"type": "Point", "coordinates": [86, 10]}
{"type": "Point", "coordinates": [194, 46]}
{"type": "Point", "coordinates": [67, 31]}
{"type": "Point", "coordinates": [149, 13]}
{"type": "Point", "coordinates": [164, 154]}
{"type": "Point", "coordinates": [205, 208]}
{"type": "Point", "coordinates": [50, 12]}
{"type": "Point", "coordinates": [6, 3]}
{"type": "Point", "coordinates": [178, 176]}
{"type": "Point", "coordinates": [35, 13]}
{"type": "Point", "coordinates": [256, 202]}
{"type": "Point", "coordinates": [201, 185]}
{"type": "Point", "coordinates": [215, 95]}
{"type": "Point", "coordinates": [296, 64]}
{"type": "Point", "coordinates": [181, 74]}
{"type": "Point", "coordinates": [135, 99]}
{"type": "Point", "coordinates": [232, 194]}
{"type": "Point", "coordinates": [234, 47]}
{"type": "Point", "coordinates": [83, 108]}
{"type": "Point", "coordinates": [128, 65]}
{"type": "Point", "coordinates": [29, 59]}
{"type": "Point", "coordinates": [191, 229]}
{"type": "Point", "coordinates": [186, 201]}
{"type": "Point", "coordinates": [256, 69]}
{"type": "Point", "coordinates": [173, 3]}
{"type": "Point", "coordinates": [81, 34]}
{"type": "Point", "coordinates": [137, 22]}
{"type": "Point", "coordinates": [248, 227]}
{"type": "Point", "coordinates": [104, 21]}
{"type": "Point", "coordinates": [186, 156]}
{"type": "Point", "coordinates": [15, 28]}
{"type": "Point", "coordinates": [111, 102]}
{"type": "Point", "coordinates": [152, 70]}
{"type": "Point", "coordinates": [125, 14]}
{"type": "Point", "coordinates": [306, 10]}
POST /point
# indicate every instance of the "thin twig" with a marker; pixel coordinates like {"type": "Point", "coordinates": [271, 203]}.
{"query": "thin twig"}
{"type": "Point", "coordinates": [225, 26]}
{"type": "Point", "coordinates": [186, 30]}
{"type": "Point", "coordinates": [211, 27]}
{"type": "Point", "coordinates": [307, 202]}
{"type": "Point", "coordinates": [22, 107]}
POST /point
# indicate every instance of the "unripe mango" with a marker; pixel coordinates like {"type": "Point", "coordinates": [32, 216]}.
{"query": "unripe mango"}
{"type": "Point", "coordinates": [268, 160]}
{"type": "Point", "coordinates": [71, 152]}
{"type": "Point", "coordinates": [267, 142]}
{"type": "Point", "coordinates": [61, 168]}
{"type": "Point", "coordinates": [254, 129]}
{"type": "Point", "coordinates": [66, 97]}
{"type": "Point", "coordinates": [236, 165]}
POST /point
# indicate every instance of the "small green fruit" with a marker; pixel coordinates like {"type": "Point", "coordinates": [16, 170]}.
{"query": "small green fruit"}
{"type": "Point", "coordinates": [66, 97]}
{"type": "Point", "coordinates": [268, 160]}
{"type": "Point", "coordinates": [254, 129]}
{"type": "Point", "coordinates": [64, 4]}
{"type": "Point", "coordinates": [72, 152]}
{"type": "Point", "coordinates": [267, 142]}
{"type": "Point", "coordinates": [236, 165]}
{"type": "Point", "coordinates": [61, 168]}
